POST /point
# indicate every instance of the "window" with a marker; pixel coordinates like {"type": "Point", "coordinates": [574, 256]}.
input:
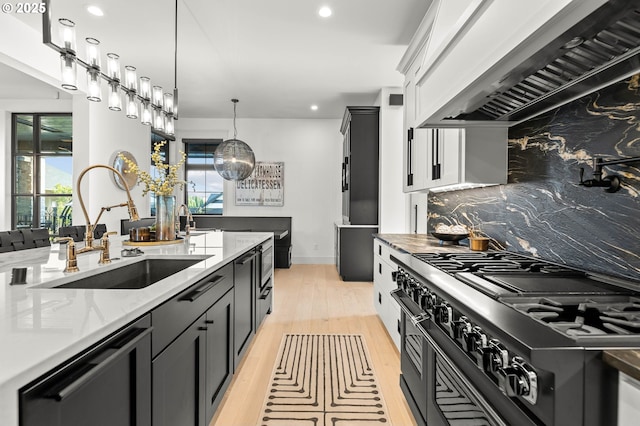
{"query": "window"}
{"type": "Point", "coordinates": [204, 190]}
{"type": "Point", "coordinates": [43, 169]}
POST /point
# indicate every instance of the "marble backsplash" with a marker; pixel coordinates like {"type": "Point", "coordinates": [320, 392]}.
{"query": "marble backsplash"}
{"type": "Point", "coordinates": [543, 210]}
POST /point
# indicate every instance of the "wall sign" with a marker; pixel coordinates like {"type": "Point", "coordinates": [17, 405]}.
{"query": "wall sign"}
{"type": "Point", "coordinates": [264, 187]}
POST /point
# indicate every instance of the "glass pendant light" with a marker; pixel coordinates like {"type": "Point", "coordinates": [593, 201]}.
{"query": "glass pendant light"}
{"type": "Point", "coordinates": [132, 105]}
{"type": "Point", "coordinates": [68, 54]}
{"type": "Point", "coordinates": [145, 115]}
{"type": "Point", "coordinates": [234, 159]}
{"type": "Point", "coordinates": [115, 99]}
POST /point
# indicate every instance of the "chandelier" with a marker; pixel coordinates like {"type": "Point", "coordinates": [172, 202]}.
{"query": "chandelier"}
{"type": "Point", "coordinates": [233, 159]}
{"type": "Point", "coordinates": [143, 100]}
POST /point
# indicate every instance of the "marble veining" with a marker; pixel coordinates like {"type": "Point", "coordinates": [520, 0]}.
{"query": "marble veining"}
{"type": "Point", "coordinates": [543, 210]}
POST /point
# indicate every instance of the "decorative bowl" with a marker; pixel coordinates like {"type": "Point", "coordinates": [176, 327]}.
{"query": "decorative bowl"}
{"type": "Point", "coordinates": [454, 238]}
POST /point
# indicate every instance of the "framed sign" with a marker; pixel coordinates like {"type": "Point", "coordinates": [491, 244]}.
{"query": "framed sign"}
{"type": "Point", "coordinates": [264, 187]}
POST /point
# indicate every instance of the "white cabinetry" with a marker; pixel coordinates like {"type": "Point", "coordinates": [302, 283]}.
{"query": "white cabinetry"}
{"type": "Point", "coordinates": [383, 283]}
{"type": "Point", "coordinates": [417, 217]}
{"type": "Point", "coordinates": [467, 46]}
{"type": "Point", "coordinates": [447, 159]}
{"type": "Point", "coordinates": [628, 400]}
{"type": "Point", "coordinates": [466, 158]}
{"type": "Point", "coordinates": [436, 158]}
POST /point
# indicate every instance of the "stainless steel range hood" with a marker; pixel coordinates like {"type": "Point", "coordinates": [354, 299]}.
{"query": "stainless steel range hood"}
{"type": "Point", "coordinates": [601, 49]}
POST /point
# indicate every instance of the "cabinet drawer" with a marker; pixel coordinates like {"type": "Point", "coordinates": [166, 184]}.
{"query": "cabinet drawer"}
{"type": "Point", "coordinates": [384, 251]}
{"type": "Point", "coordinates": [175, 315]}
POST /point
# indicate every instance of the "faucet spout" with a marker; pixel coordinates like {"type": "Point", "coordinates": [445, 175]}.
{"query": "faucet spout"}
{"type": "Point", "coordinates": [187, 226]}
{"type": "Point", "coordinates": [133, 211]}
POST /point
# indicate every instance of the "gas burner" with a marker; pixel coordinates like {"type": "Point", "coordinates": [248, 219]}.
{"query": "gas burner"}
{"type": "Point", "coordinates": [577, 329]}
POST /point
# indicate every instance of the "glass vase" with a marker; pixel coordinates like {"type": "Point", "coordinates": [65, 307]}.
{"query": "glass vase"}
{"type": "Point", "coordinates": [165, 217]}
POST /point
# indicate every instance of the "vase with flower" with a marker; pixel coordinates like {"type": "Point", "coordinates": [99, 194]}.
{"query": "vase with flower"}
{"type": "Point", "coordinates": [162, 185]}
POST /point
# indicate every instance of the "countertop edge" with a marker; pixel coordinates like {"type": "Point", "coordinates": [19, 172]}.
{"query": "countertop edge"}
{"type": "Point", "coordinates": [624, 360]}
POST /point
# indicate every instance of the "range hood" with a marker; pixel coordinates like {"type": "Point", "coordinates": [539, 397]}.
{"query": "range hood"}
{"type": "Point", "coordinates": [599, 50]}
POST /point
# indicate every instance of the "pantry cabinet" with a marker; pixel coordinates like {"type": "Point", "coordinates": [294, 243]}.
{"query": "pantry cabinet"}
{"type": "Point", "coordinates": [360, 167]}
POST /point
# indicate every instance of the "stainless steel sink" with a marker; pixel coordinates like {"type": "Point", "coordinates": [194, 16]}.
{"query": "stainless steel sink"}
{"type": "Point", "coordinates": [133, 276]}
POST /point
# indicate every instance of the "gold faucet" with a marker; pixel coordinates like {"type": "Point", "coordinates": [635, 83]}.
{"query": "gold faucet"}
{"type": "Point", "coordinates": [72, 263]}
{"type": "Point", "coordinates": [88, 237]}
{"type": "Point", "coordinates": [187, 227]}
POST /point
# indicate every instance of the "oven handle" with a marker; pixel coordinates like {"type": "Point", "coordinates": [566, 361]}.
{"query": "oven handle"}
{"type": "Point", "coordinates": [467, 384]}
{"type": "Point", "coordinates": [415, 317]}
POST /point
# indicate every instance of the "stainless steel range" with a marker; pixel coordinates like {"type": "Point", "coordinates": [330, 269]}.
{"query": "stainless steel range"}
{"type": "Point", "coordinates": [496, 338]}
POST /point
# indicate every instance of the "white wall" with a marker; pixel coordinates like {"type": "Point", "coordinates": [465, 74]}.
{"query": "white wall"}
{"type": "Point", "coordinates": [98, 134]}
{"type": "Point", "coordinates": [393, 201]}
{"type": "Point", "coordinates": [309, 149]}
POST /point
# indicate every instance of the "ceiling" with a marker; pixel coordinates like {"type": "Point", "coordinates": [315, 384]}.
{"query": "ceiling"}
{"type": "Point", "coordinates": [278, 57]}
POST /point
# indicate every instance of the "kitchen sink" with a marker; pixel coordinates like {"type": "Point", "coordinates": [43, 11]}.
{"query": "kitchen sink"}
{"type": "Point", "coordinates": [133, 276]}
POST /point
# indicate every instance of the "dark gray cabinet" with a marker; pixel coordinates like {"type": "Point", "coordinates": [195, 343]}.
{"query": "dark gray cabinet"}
{"type": "Point", "coordinates": [244, 303]}
{"type": "Point", "coordinates": [219, 364]}
{"type": "Point", "coordinates": [360, 130]}
{"type": "Point", "coordinates": [354, 252]}
{"type": "Point", "coordinates": [178, 385]}
{"type": "Point", "coordinates": [193, 351]}
{"type": "Point", "coordinates": [109, 384]}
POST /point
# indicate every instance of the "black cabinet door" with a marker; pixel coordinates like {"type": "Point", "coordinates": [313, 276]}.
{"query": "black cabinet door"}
{"type": "Point", "coordinates": [219, 369]}
{"type": "Point", "coordinates": [108, 385]}
{"type": "Point", "coordinates": [178, 379]}
{"type": "Point", "coordinates": [244, 304]}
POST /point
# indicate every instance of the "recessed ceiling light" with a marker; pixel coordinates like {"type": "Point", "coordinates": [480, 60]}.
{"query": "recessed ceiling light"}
{"type": "Point", "coordinates": [95, 11]}
{"type": "Point", "coordinates": [324, 11]}
{"type": "Point", "coordinates": [314, 107]}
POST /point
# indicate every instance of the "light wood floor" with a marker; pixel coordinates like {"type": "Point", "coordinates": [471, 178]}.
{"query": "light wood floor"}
{"type": "Point", "coordinates": [313, 299]}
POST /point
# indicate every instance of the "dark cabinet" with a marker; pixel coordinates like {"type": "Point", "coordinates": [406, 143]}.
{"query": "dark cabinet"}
{"type": "Point", "coordinates": [178, 382]}
{"type": "Point", "coordinates": [219, 365]}
{"type": "Point", "coordinates": [360, 128]}
{"type": "Point", "coordinates": [107, 385]}
{"type": "Point", "coordinates": [354, 252]}
{"type": "Point", "coordinates": [193, 351]}
{"type": "Point", "coordinates": [244, 303]}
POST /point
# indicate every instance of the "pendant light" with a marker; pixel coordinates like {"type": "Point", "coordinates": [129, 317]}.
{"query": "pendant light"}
{"type": "Point", "coordinates": [233, 158]}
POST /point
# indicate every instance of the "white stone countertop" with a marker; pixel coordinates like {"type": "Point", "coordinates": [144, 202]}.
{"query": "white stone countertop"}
{"type": "Point", "coordinates": [42, 326]}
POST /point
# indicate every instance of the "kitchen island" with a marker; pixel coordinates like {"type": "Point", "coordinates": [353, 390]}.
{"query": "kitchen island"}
{"type": "Point", "coordinates": [43, 326]}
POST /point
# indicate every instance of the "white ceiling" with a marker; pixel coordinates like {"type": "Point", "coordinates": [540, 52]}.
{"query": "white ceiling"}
{"type": "Point", "coordinates": [278, 57]}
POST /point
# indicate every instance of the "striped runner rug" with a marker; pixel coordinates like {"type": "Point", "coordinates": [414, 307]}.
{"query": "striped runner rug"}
{"type": "Point", "coordinates": [323, 380]}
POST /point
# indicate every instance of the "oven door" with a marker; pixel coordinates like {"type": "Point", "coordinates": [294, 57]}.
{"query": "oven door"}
{"type": "Point", "coordinates": [459, 393]}
{"type": "Point", "coordinates": [413, 358]}
{"type": "Point", "coordinates": [454, 399]}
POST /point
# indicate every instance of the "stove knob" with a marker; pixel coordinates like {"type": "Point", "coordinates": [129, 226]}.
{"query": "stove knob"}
{"type": "Point", "coordinates": [423, 302]}
{"type": "Point", "coordinates": [442, 313]}
{"type": "Point", "coordinates": [460, 326]}
{"type": "Point", "coordinates": [409, 285]}
{"type": "Point", "coordinates": [497, 356]}
{"type": "Point", "coordinates": [519, 379]}
{"type": "Point", "coordinates": [418, 294]}
{"type": "Point", "coordinates": [400, 277]}
{"type": "Point", "coordinates": [476, 346]}
{"type": "Point", "coordinates": [431, 302]}
{"type": "Point", "coordinates": [444, 316]}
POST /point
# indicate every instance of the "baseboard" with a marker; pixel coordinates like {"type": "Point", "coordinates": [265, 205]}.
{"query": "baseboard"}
{"type": "Point", "coordinates": [314, 260]}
